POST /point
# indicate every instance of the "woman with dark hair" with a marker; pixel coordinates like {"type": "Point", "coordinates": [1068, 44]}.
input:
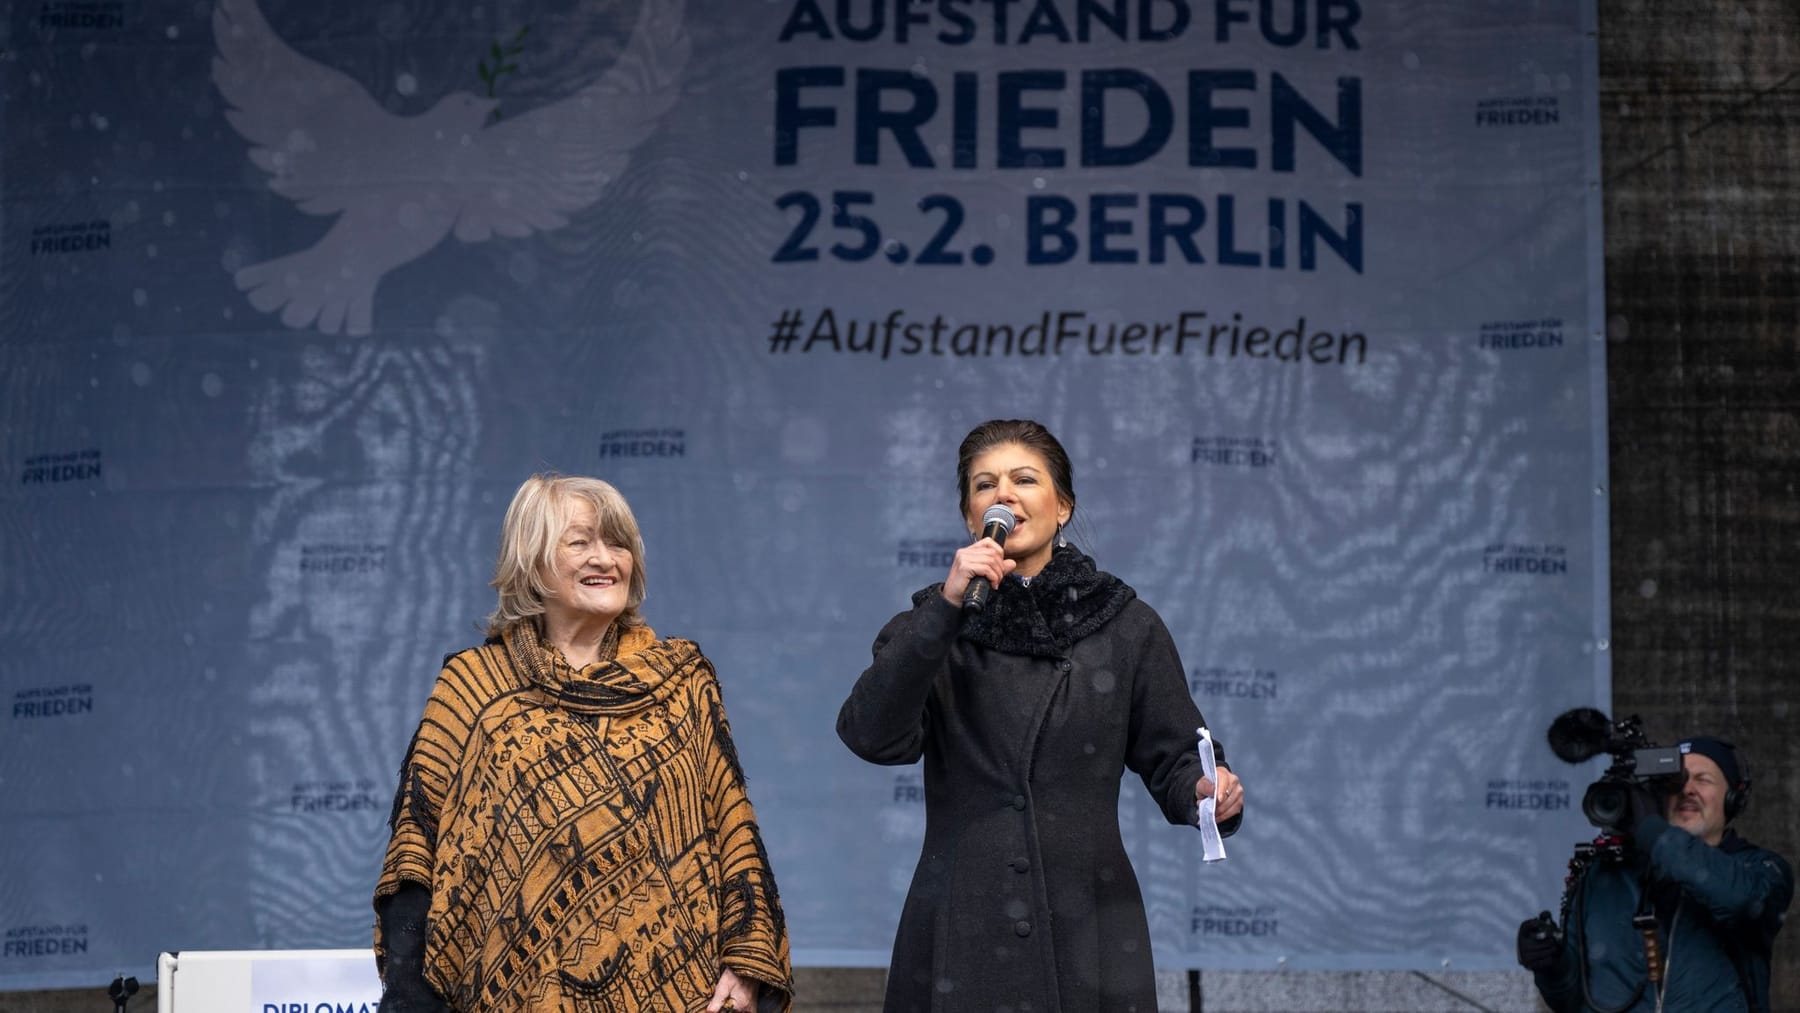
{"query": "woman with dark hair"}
{"type": "Point", "coordinates": [1027, 713]}
{"type": "Point", "coordinates": [571, 830]}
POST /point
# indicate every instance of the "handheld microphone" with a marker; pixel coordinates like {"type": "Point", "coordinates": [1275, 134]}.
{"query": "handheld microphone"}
{"type": "Point", "coordinates": [995, 524]}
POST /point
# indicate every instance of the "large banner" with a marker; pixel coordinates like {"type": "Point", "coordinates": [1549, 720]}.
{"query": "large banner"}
{"type": "Point", "coordinates": [293, 295]}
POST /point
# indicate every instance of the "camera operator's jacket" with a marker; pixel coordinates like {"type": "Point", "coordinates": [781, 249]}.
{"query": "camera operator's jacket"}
{"type": "Point", "coordinates": [1717, 911]}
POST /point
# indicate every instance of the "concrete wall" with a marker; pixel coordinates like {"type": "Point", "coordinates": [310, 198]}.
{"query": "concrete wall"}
{"type": "Point", "coordinates": [1701, 139]}
{"type": "Point", "coordinates": [1701, 144]}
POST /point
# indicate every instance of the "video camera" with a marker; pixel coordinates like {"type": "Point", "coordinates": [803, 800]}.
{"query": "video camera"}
{"type": "Point", "coordinates": [1583, 733]}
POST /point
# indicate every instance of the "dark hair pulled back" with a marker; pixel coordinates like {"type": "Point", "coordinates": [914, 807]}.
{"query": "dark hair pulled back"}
{"type": "Point", "coordinates": [1024, 432]}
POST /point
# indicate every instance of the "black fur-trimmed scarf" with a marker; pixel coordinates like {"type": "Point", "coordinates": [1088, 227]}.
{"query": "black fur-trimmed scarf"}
{"type": "Point", "coordinates": [1069, 599]}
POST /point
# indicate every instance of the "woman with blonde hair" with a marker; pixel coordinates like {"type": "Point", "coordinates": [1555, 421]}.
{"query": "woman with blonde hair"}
{"type": "Point", "coordinates": [571, 829]}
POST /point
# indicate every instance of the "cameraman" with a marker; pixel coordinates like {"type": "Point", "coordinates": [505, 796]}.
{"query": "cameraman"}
{"type": "Point", "coordinates": [1711, 901]}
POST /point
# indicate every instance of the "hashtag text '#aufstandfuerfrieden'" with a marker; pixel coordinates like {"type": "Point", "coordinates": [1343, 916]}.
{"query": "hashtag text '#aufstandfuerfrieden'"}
{"type": "Point", "coordinates": [1055, 334]}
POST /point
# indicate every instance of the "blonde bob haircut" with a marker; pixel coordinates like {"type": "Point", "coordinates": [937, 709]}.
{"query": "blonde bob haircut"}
{"type": "Point", "coordinates": [534, 525]}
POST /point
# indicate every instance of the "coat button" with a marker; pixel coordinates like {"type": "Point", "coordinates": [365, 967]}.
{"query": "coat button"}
{"type": "Point", "coordinates": [1019, 865]}
{"type": "Point", "coordinates": [1065, 664]}
{"type": "Point", "coordinates": [1022, 928]}
{"type": "Point", "coordinates": [1018, 802]}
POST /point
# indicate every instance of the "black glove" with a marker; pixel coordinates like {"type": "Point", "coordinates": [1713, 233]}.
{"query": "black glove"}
{"type": "Point", "coordinates": [402, 917]}
{"type": "Point", "coordinates": [411, 1000]}
{"type": "Point", "coordinates": [1540, 944]}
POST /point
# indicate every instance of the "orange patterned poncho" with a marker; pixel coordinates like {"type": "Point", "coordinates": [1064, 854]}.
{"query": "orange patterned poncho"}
{"type": "Point", "coordinates": [585, 835]}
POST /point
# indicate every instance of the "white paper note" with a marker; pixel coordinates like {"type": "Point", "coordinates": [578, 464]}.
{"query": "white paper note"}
{"type": "Point", "coordinates": [1212, 844]}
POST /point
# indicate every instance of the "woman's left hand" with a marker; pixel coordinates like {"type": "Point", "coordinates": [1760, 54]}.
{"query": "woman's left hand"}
{"type": "Point", "coordinates": [733, 993]}
{"type": "Point", "coordinates": [1230, 797]}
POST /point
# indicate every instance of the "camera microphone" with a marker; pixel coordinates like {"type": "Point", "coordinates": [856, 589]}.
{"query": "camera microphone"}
{"type": "Point", "coordinates": [996, 523]}
{"type": "Point", "coordinates": [1579, 735]}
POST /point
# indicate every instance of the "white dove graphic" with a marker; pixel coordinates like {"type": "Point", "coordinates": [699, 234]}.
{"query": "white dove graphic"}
{"type": "Point", "coordinates": [399, 184]}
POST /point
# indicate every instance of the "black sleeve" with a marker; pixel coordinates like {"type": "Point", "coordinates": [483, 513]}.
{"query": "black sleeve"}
{"type": "Point", "coordinates": [404, 988]}
{"type": "Point", "coordinates": [1163, 750]}
{"type": "Point", "coordinates": [885, 718]}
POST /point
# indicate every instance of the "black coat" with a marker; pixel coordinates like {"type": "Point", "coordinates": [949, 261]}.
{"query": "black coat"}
{"type": "Point", "coordinates": [1024, 898]}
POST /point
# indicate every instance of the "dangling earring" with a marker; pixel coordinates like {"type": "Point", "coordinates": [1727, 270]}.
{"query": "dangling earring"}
{"type": "Point", "coordinates": [1061, 542]}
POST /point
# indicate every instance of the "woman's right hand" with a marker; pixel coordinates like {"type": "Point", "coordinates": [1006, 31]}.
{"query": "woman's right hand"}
{"type": "Point", "coordinates": [984, 558]}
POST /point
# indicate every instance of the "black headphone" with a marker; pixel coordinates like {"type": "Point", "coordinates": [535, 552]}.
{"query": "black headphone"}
{"type": "Point", "coordinates": [1737, 797]}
